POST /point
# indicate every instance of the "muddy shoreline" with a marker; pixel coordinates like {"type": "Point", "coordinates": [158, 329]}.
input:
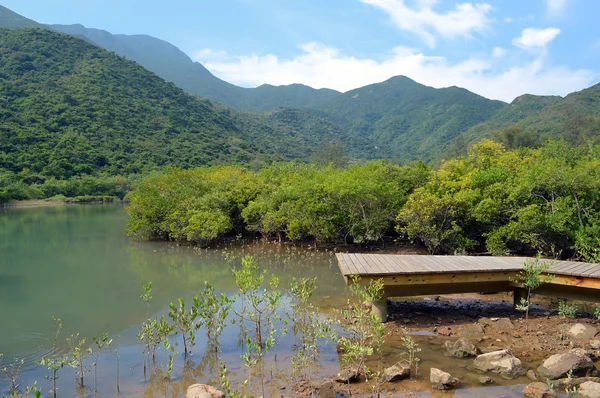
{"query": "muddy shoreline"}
{"type": "Point", "coordinates": [491, 323]}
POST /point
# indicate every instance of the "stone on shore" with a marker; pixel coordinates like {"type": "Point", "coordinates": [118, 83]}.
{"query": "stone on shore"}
{"type": "Point", "coordinates": [348, 375]}
{"type": "Point", "coordinates": [559, 365]}
{"type": "Point", "coordinates": [538, 390]}
{"type": "Point", "coordinates": [399, 371]}
{"type": "Point", "coordinates": [502, 362]}
{"type": "Point", "coordinates": [203, 391]}
{"type": "Point", "coordinates": [461, 348]}
{"type": "Point", "coordinates": [589, 389]}
{"type": "Point", "coordinates": [441, 380]}
{"type": "Point", "coordinates": [582, 331]}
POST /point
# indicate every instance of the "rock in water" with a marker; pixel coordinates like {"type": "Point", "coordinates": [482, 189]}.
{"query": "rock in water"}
{"type": "Point", "coordinates": [502, 362]}
{"type": "Point", "coordinates": [485, 380]}
{"type": "Point", "coordinates": [203, 391]}
{"type": "Point", "coordinates": [461, 348]}
{"type": "Point", "coordinates": [441, 380]}
{"type": "Point", "coordinates": [399, 371]}
{"type": "Point", "coordinates": [559, 365]}
{"type": "Point", "coordinates": [348, 375]}
{"type": "Point", "coordinates": [582, 331]}
{"type": "Point", "coordinates": [326, 389]}
{"type": "Point", "coordinates": [589, 389]}
{"type": "Point", "coordinates": [538, 390]}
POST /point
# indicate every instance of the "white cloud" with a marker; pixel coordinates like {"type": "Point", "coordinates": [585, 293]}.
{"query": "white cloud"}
{"type": "Point", "coordinates": [508, 19]}
{"type": "Point", "coordinates": [499, 52]}
{"type": "Point", "coordinates": [424, 21]}
{"type": "Point", "coordinates": [209, 54]}
{"type": "Point", "coordinates": [320, 66]}
{"type": "Point", "coordinates": [532, 38]}
{"type": "Point", "coordinates": [556, 7]}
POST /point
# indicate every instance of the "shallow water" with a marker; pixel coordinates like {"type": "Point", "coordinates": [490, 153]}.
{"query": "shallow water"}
{"type": "Point", "coordinates": [75, 263]}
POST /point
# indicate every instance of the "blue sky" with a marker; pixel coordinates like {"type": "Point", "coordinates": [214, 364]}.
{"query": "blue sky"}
{"type": "Point", "coordinates": [497, 48]}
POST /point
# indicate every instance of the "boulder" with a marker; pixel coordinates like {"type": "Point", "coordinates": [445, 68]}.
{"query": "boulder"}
{"type": "Point", "coordinates": [485, 380]}
{"type": "Point", "coordinates": [441, 380]}
{"type": "Point", "coordinates": [500, 324]}
{"type": "Point", "coordinates": [348, 375]}
{"type": "Point", "coordinates": [472, 332]}
{"type": "Point", "coordinates": [531, 374]}
{"type": "Point", "coordinates": [559, 365]}
{"type": "Point", "coordinates": [502, 362]}
{"type": "Point", "coordinates": [203, 391]}
{"type": "Point", "coordinates": [582, 331]}
{"type": "Point", "coordinates": [589, 389]}
{"type": "Point", "coordinates": [461, 348]}
{"type": "Point", "coordinates": [325, 389]}
{"type": "Point", "coordinates": [399, 371]}
{"type": "Point", "coordinates": [595, 344]}
{"type": "Point", "coordinates": [538, 390]}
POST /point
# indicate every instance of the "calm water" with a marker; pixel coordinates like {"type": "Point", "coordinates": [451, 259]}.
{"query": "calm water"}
{"type": "Point", "coordinates": [75, 263]}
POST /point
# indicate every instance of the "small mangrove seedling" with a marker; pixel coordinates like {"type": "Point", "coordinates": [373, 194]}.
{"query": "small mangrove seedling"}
{"type": "Point", "coordinates": [12, 372]}
{"type": "Point", "coordinates": [259, 304]}
{"type": "Point", "coordinates": [185, 321]}
{"type": "Point", "coordinates": [566, 310]}
{"type": "Point", "coordinates": [55, 361]}
{"type": "Point", "coordinates": [213, 310]}
{"type": "Point", "coordinates": [154, 333]}
{"type": "Point", "coordinates": [363, 330]}
{"type": "Point", "coordinates": [147, 296]}
{"type": "Point", "coordinates": [226, 384]}
{"type": "Point", "coordinates": [597, 313]}
{"type": "Point", "coordinates": [531, 278]}
{"type": "Point", "coordinates": [571, 391]}
{"type": "Point", "coordinates": [78, 354]}
{"type": "Point", "coordinates": [259, 309]}
{"type": "Point", "coordinates": [103, 342]}
{"type": "Point", "coordinates": [412, 349]}
{"type": "Point", "coordinates": [308, 326]}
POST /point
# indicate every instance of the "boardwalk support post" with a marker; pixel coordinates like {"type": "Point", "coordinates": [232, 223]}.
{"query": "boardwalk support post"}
{"type": "Point", "coordinates": [379, 308]}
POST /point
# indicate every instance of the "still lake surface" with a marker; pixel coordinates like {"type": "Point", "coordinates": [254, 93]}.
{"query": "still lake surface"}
{"type": "Point", "coordinates": [76, 263]}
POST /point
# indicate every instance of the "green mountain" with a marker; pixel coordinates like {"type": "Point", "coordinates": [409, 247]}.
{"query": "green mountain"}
{"type": "Point", "coordinates": [530, 119]}
{"type": "Point", "coordinates": [12, 20]}
{"type": "Point", "coordinates": [173, 65]}
{"type": "Point", "coordinates": [407, 120]}
{"type": "Point", "coordinates": [69, 108]}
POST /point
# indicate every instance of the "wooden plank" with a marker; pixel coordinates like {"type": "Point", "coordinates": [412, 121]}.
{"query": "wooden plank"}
{"type": "Point", "coordinates": [382, 264]}
{"type": "Point", "coordinates": [398, 264]}
{"type": "Point", "coordinates": [585, 270]}
{"type": "Point", "coordinates": [422, 264]}
{"type": "Point", "coordinates": [588, 283]}
{"type": "Point", "coordinates": [570, 268]}
{"type": "Point", "coordinates": [428, 278]}
{"type": "Point", "coordinates": [596, 272]}
{"type": "Point", "coordinates": [359, 267]}
{"type": "Point", "coordinates": [370, 265]}
{"type": "Point", "coordinates": [444, 265]}
{"type": "Point", "coordinates": [349, 268]}
{"type": "Point", "coordinates": [565, 267]}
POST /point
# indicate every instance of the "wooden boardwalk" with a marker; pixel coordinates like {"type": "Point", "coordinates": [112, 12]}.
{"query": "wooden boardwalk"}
{"type": "Point", "coordinates": [415, 275]}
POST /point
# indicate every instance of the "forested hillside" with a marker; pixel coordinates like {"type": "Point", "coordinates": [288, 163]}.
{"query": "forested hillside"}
{"type": "Point", "coordinates": [173, 65]}
{"type": "Point", "coordinates": [70, 108]}
{"type": "Point", "coordinates": [12, 20]}
{"type": "Point", "coordinates": [407, 120]}
{"type": "Point", "coordinates": [531, 119]}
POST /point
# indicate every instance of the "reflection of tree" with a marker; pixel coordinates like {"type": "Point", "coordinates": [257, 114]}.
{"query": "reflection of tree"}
{"type": "Point", "coordinates": [176, 266]}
